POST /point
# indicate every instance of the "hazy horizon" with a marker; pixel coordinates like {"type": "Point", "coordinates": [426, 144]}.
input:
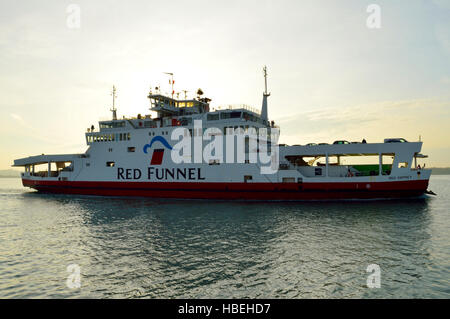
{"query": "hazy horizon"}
{"type": "Point", "coordinates": [330, 76]}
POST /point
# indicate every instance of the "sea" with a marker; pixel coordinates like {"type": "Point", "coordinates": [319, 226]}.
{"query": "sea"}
{"type": "Point", "coordinates": [66, 246]}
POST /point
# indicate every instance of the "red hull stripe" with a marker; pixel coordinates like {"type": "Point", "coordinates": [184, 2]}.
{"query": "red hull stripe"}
{"type": "Point", "coordinates": [260, 191]}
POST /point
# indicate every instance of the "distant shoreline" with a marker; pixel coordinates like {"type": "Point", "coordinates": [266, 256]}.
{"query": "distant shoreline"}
{"type": "Point", "coordinates": [440, 171]}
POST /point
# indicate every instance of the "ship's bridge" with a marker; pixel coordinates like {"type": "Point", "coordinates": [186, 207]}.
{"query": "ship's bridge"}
{"type": "Point", "coordinates": [169, 106]}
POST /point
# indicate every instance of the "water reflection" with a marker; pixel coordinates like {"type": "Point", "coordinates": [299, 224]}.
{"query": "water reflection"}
{"type": "Point", "coordinates": [135, 247]}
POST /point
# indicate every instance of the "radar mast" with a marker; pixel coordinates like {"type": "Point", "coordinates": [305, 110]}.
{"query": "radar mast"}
{"type": "Point", "coordinates": [171, 81]}
{"type": "Point", "coordinates": [265, 95]}
{"type": "Point", "coordinates": [114, 110]}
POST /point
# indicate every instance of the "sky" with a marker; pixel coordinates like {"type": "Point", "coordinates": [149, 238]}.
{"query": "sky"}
{"type": "Point", "coordinates": [331, 77]}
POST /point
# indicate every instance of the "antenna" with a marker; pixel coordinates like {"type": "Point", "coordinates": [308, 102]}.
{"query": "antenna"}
{"type": "Point", "coordinates": [264, 115]}
{"type": "Point", "coordinates": [171, 81]}
{"type": "Point", "coordinates": [114, 110]}
{"type": "Point", "coordinates": [265, 81]}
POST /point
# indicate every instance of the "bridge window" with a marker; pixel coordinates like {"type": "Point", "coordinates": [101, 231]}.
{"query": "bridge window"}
{"type": "Point", "coordinates": [213, 117]}
{"type": "Point", "coordinates": [235, 115]}
{"type": "Point", "coordinates": [112, 124]}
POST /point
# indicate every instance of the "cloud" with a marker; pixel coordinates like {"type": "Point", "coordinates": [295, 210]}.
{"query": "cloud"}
{"type": "Point", "coordinates": [18, 118]}
{"type": "Point", "coordinates": [404, 118]}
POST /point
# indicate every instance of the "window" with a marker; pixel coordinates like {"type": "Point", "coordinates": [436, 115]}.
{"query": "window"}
{"type": "Point", "coordinates": [247, 178]}
{"type": "Point", "coordinates": [110, 164]}
{"type": "Point", "coordinates": [235, 115]}
{"type": "Point", "coordinates": [128, 136]}
{"type": "Point", "coordinates": [213, 117]}
{"type": "Point", "coordinates": [214, 162]}
{"type": "Point", "coordinates": [131, 149]}
{"type": "Point", "coordinates": [112, 124]}
{"type": "Point", "coordinates": [403, 165]}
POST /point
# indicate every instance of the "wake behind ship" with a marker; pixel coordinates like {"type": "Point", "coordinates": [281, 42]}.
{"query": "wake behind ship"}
{"type": "Point", "coordinates": [189, 151]}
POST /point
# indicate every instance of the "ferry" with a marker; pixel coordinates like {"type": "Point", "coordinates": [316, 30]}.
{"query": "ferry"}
{"type": "Point", "coordinates": [144, 156]}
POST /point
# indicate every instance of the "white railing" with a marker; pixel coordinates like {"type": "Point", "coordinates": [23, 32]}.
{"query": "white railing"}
{"type": "Point", "coordinates": [238, 106]}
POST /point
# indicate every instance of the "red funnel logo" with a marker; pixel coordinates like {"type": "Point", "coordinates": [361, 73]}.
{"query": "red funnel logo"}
{"type": "Point", "coordinates": [157, 156]}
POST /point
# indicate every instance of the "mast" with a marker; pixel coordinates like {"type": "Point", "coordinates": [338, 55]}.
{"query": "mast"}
{"type": "Point", "coordinates": [170, 81]}
{"type": "Point", "coordinates": [265, 95]}
{"type": "Point", "coordinates": [114, 110]}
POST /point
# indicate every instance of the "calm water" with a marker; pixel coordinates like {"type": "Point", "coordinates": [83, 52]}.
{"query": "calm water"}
{"type": "Point", "coordinates": [142, 248]}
